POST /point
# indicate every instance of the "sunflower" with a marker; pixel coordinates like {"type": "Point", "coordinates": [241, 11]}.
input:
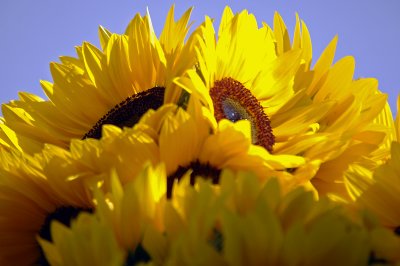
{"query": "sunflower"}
{"type": "Point", "coordinates": [381, 194]}
{"type": "Point", "coordinates": [114, 232]}
{"type": "Point", "coordinates": [87, 241]}
{"type": "Point", "coordinates": [322, 114]}
{"type": "Point", "coordinates": [360, 121]}
{"type": "Point", "coordinates": [267, 229]}
{"type": "Point", "coordinates": [241, 77]}
{"type": "Point", "coordinates": [191, 233]}
{"type": "Point", "coordinates": [113, 85]}
{"type": "Point", "coordinates": [376, 190]}
{"type": "Point", "coordinates": [378, 193]}
{"type": "Point", "coordinates": [90, 160]}
{"type": "Point", "coordinates": [230, 73]}
{"type": "Point", "coordinates": [244, 221]}
{"type": "Point", "coordinates": [57, 184]}
{"type": "Point", "coordinates": [29, 202]}
{"type": "Point", "coordinates": [192, 140]}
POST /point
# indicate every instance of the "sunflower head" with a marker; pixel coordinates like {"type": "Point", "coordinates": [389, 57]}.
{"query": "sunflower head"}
{"type": "Point", "coordinates": [123, 80]}
{"type": "Point", "coordinates": [30, 202]}
{"type": "Point", "coordinates": [246, 221]}
{"type": "Point", "coordinates": [380, 193]}
{"type": "Point", "coordinates": [87, 240]}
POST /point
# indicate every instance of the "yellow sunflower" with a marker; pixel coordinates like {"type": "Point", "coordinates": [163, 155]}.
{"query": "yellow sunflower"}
{"type": "Point", "coordinates": [359, 124]}
{"type": "Point", "coordinates": [233, 70]}
{"type": "Point", "coordinates": [192, 140]}
{"type": "Point", "coordinates": [377, 191]}
{"type": "Point", "coordinates": [244, 221]}
{"type": "Point", "coordinates": [113, 85]}
{"type": "Point", "coordinates": [381, 195]}
{"type": "Point", "coordinates": [126, 151]}
{"type": "Point", "coordinates": [322, 114]}
{"type": "Point", "coordinates": [86, 242]}
{"type": "Point", "coordinates": [241, 77]}
{"type": "Point", "coordinates": [29, 201]}
{"type": "Point", "coordinates": [57, 185]}
{"type": "Point", "coordinates": [114, 233]}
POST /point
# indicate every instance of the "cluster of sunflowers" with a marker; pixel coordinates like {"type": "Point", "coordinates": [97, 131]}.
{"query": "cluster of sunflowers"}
{"type": "Point", "coordinates": [219, 148]}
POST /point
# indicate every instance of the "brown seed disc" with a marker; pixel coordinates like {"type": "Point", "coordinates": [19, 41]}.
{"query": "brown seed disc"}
{"type": "Point", "coordinates": [234, 102]}
{"type": "Point", "coordinates": [198, 169]}
{"type": "Point", "coordinates": [64, 215]}
{"type": "Point", "coordinates": [129, 112]}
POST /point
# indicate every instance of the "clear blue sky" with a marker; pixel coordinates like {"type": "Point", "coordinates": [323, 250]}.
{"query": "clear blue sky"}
{"type": "Point", "coordinates": [35, 32]}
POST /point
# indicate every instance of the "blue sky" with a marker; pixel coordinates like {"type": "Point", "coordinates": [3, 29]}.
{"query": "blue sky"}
{"type": "Point", "coordinates": [34, 33]}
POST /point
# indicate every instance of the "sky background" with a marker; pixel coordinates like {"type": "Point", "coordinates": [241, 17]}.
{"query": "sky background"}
{"type": "Point", "coordinates": [34, 33]}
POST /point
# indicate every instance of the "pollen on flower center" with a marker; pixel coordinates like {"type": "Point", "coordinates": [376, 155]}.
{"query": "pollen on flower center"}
{"type": "Point", "coordinates": [234, 102]}
{"type": "Point", "coordinates": [204, 170]}
{"type": "Point", "coordinates": [128, 112]}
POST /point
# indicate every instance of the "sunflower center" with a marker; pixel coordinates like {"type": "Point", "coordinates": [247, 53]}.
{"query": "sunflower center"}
{"type": "Point", "coordinates": [206, 171]}
{"type": "Point", "coordinates": [234, 102]}
{"type": "Point", "coordinates": [374, 260]}
{"type": "Point", "coordinates": [128, 112]}
{"type": "Point", "coordinates": [63, 215]}
{"type": "Point", "coordinates": [137, 256]}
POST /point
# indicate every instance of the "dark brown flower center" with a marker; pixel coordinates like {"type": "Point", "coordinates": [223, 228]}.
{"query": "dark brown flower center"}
{"type": "Point", "coordinates": [129, 112]}
{"type": "Point", "coordinates": [204, 170]}
{"type": "Point", "coordinates": [137, 256]}
{"type": "Point", "coordinates": [397, 230]}
{"type": "Point", "coordinates": [234, 102]}
{"type": "Point", "coordinates": [63, 215]}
